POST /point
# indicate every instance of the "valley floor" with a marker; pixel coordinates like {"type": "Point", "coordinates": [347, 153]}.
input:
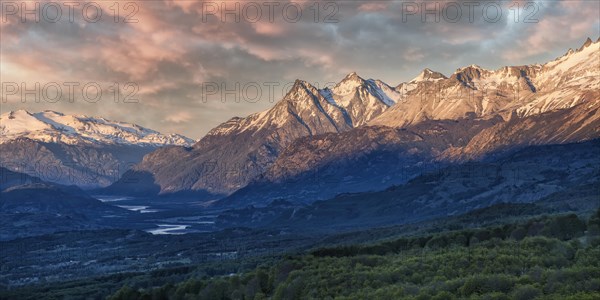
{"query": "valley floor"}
{"type": "Point", "coordinates": [545, 256]}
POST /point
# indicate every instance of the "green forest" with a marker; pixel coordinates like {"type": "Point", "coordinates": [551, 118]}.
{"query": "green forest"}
{"type": "Point", "coordinates": [549, 257]}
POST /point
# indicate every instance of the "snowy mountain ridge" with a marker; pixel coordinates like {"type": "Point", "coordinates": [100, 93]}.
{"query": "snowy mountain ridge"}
{"type": "Point", "coordinates": [526, 90]}
{"type": "Point", "coordinates": [474, 91]}
{"type": "Point", "coordinates": [54, 127]}
{"type": "Point", "coordinates": [250, 145]}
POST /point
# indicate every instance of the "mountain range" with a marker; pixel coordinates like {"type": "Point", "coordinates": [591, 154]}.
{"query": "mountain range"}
{"type": "Point", "coordinates": [360, 135]}
{"type": "Point", "coordinates": [86, 151]}
{"type": "Point", "coordinates": [364, 135]}
{"type": "Point", "coordinates": [235, 152]}
{"type": "Point", "coordinates": [561, 177]}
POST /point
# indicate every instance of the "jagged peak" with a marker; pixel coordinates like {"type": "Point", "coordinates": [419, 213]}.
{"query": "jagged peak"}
{"type": "Point", "coordinates": [428, 75]}
{"type": "Point", "coordinates": [300, 84]}
{"type": "Point", "coordinates": [570, 51]}
{"type": "Point", "coordinates": [567, 54]}
{"type": "Point", "coordinates": [517, 70]}
{"type": "Point", "coordinates": [299, 92]}
{"type": "Point", "coordinates": [352, 75]}
{"type": "Point", "coordinates": [586, 44]}
{"type": "Point", "coordinates": [472, 71]}
{"type": "Point", "coordinates": [348, 84]}
{"type": "Point", "coordinates": [470, 67]}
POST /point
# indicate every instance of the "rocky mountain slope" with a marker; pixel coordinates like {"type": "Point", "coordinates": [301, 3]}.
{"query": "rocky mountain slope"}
{"type": "Point", "coordinates": [349, 135]}
{"type": "Point", "coordinates": [81, 150]}
{"type": "Point", "coordinates": [556, 176]}
{"type": "Point", "coordinates": [365, 159]}
{"type": "Point", "coordinates": [237, 151]}
{"type": "Point", "coordinates": [374, 157]}
{"type": "Point", "coordinates": [476, 92]}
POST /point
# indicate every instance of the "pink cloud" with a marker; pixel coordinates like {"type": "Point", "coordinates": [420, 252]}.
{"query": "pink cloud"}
{"type": "Point", "coordinates": [179, 117]}
{"type": "Point", "coordinates": [268, 28]}
{"type": "Point", "coordinates": [373, 7]}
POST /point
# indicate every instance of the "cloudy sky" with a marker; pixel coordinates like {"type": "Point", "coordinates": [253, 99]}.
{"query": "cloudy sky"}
{"type": "Point", "coordinates": [180, 65]}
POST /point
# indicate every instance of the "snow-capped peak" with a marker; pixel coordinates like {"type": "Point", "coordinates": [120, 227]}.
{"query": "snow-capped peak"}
{"type": "Point", "coordinates": [563, 83]}
{"type": "Point", "coordinates": [352, 102]}
{"type": "Point", "coordinates": [471, 68]}
{"type": "Point", "coordinates": [577, 59]}
{"type": "Point", "coordinates": [51, 126]}
{"type": "Point", "coordinates": [428, 75]}
{"type": "Point", "coordinates": [348, 84]}
{"type": "Point", "coordinates": [352, 75]}
{"type": "Point", "coordinates": [586, 44]}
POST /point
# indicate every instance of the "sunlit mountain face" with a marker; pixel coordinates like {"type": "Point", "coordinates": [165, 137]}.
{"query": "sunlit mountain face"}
{"type": "Point", "coordinates": [299, 150]}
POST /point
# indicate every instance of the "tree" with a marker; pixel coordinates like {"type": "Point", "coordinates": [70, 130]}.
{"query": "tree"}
{"type": "Point", "coordinates": [526, 292]}
{"type": "Point", "coordinates": [518, 234]}
{"type": "Point", "coordinates": [125, 293]}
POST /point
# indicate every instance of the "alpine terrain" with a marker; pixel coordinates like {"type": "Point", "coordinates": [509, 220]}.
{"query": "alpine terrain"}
{"type": "Point", "coordinates": [365, 135]}
{"type": "Point", "coordinates": [235, 152]}
{"type": "Point", "coordinates": [86, 151]}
